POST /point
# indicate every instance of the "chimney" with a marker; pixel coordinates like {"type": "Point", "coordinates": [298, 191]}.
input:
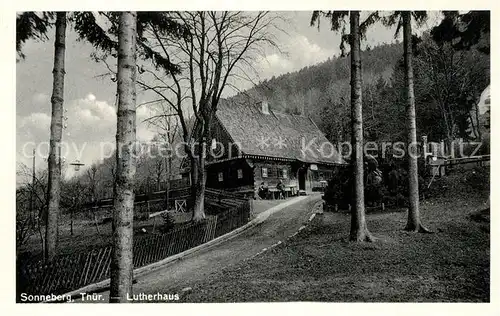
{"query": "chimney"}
{"type": "Point", "coordinates": [264, 107]}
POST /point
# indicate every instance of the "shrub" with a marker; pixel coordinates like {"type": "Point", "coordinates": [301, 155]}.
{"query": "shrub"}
{"type": "Point", "coordinates": [168, 222]}
{"type": "Point", "coordinates": [478, 178]}
{"type": "Point", "coordinates": [393, 190]}
{"type": "Point", "coordinates": [338, 191]}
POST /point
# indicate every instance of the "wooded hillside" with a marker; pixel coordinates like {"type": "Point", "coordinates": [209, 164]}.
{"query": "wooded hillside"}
{"type": "Point", "coordinates": [449, 83]}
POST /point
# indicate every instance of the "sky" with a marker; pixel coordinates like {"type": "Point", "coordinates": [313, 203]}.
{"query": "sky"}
{"type": "Point", "coordinates": [89, 100]}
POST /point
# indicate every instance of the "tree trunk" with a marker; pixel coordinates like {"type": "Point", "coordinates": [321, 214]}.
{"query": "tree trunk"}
{"type": "Point", "coordinates": [33, 179]}
{"type": "Point", "coordinates": [54, 163]}
{"type": "Point", "coordinates": [478, 125]}
{"type": "Point", "coordinates": [413, 223]}
{"type": "Point", "coordinates": [473, 121]}
{"type": "Point", "coordinates": [199, 201]}
{"type": "Point", "coordinates": [359, 231]}
{"type": "Point", "coordinates": [123, 213]}
{"type": "Point", "coordinates": [167, 188]}
{"type": "Point", "coordinates": [193, 177]}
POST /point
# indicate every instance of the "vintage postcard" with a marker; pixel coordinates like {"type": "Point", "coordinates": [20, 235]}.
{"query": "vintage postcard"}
{"type": "Point", "coordinates": [253, 156]}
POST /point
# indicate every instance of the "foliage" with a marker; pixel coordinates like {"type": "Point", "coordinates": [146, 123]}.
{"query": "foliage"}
{"type": "Point", "coordinates": [31, 206]}
{"type": "Point", "coordinates": [448, 85]}
{"type": "Point", "coordinates": [31, 25]}
{"type": "Point", "coordinates": [478, 178]}
{"type": "Point", "coordinates": [324, 95]}
{"type": "Point", "coordinates": [101, 30]}
{"type": "Point", "coordinates": [168, 223]}
{"type": "Point", "coordinates": [464, 30]}
{"type": "Point", "coordinates": [393, 190]}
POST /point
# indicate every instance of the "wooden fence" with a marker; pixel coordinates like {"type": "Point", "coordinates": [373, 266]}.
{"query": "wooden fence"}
{"type": "Point", "coordinates": [216, 200]}
{"type": "Point", "coordinates": [69, 272]}
{"type": "Point", "coordinates": [477, 160]}
{"type": "Point", "coordinates": [179, 190]}
{"type": "Point", "coordinates": [232, 219]}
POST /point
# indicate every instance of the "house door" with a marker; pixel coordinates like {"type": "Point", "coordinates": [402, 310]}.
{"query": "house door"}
{"type": "Point", "coordinates": [302, 178]}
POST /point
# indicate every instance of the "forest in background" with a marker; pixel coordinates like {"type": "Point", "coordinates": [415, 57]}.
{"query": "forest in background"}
{"type": "Point", "coordinates": [448, 86]}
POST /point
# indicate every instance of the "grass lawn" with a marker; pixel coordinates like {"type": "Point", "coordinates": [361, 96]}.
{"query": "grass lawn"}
{"type": "Point", "coordinates": [319, 264]}
{"type": "Point", "coordinates": [87, 237]}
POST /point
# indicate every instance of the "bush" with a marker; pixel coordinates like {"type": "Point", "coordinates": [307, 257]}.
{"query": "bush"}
{"type": "Point", "coordinates": [338, 191]}
{"type": "Point", "coordinates": [168, 223]}
{"type": "Point", "coordinates": [141, 216]}
{"type": "Point", "coordinates": [478, 178]}
{"type": "Point", "coordinates": [393, 190]}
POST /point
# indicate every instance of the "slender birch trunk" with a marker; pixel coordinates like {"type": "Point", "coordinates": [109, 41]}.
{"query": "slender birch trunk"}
{"type": "Point", "coordinates": [199, 201]}
{"type": "Point", "coordinates": [359, 231]}
{"type": "Point", "coordinates": [169, 178]}
{"type": "Point", "coordinates": [413, 223]}
{"type": "Point", "coordinates": [123, 212]}
{"type": "Point", "coordinates": [56, 125]}
{"type": "Point", "coordinates": [478, 125]}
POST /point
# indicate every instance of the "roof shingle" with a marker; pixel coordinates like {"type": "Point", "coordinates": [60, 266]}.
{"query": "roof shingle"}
{"type": "Point", "coordinates": [275, 134]}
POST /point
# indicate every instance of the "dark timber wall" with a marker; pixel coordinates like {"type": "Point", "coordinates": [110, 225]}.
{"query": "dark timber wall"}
{"type": "Point", "coordinates": [230, 175]}
{"type": "Point", "coordinates": [247, 174]}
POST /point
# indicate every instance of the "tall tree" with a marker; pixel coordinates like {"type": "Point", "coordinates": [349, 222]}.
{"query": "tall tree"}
{"type": "Point", "coordinates": [220, 47]}
{"type": "Point", "coordinates": [403, 19]}
{"type": "Point", "coordinates": [161, 24]}
{"type": "Point", "coordinates": [359, 229]}
{"type": "Point", "coordinates": [414, 223]}
{"type": "Point", "coordinates": [93, 177]}
{"type": "Point", "coordinates": [32, 25]}
{"type": "Point", "coordinates": [123, 211]}
{"type": "Point", "coordinates": [167, 124]}
{"type": "Point", "coordinates": [56, 125]}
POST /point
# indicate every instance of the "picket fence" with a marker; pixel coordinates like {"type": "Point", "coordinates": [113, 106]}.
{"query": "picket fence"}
{"type": "Point", "coordinates": [70, 272]}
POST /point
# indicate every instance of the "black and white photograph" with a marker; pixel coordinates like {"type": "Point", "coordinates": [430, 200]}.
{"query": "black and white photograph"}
{"type": "Point", "coordinates": [252, 156]}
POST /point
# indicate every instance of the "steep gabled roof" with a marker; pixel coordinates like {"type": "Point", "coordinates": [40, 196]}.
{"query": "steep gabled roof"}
{"type": "Point", "coordinates": [279, 135]}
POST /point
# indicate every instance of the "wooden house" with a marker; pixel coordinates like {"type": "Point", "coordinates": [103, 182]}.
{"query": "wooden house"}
{"type": "Point", "coordinates": [250, 144]}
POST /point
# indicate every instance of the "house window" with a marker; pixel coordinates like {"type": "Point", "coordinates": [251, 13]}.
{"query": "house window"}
{"type": "Point", "coordinates": [264, 172]}
{"type": "Point", "coordinates": [221, 177]}
{"type": "Point", "coordinates": [240, 173]}
{"type": "Point", "coordinates": [282, 173]}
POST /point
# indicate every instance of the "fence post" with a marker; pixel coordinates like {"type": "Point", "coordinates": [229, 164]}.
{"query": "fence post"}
{"type": "Point", "coordinates": [95, 219]}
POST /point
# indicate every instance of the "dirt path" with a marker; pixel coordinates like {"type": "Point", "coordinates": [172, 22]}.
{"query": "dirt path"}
{"type": "Point", "coordinates": [195, 268]}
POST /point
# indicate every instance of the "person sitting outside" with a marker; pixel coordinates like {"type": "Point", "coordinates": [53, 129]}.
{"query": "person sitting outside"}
{"type": "Point", "coordinates": [281, 190]}
{"type": "Point", "coordinates": [263, 191]}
